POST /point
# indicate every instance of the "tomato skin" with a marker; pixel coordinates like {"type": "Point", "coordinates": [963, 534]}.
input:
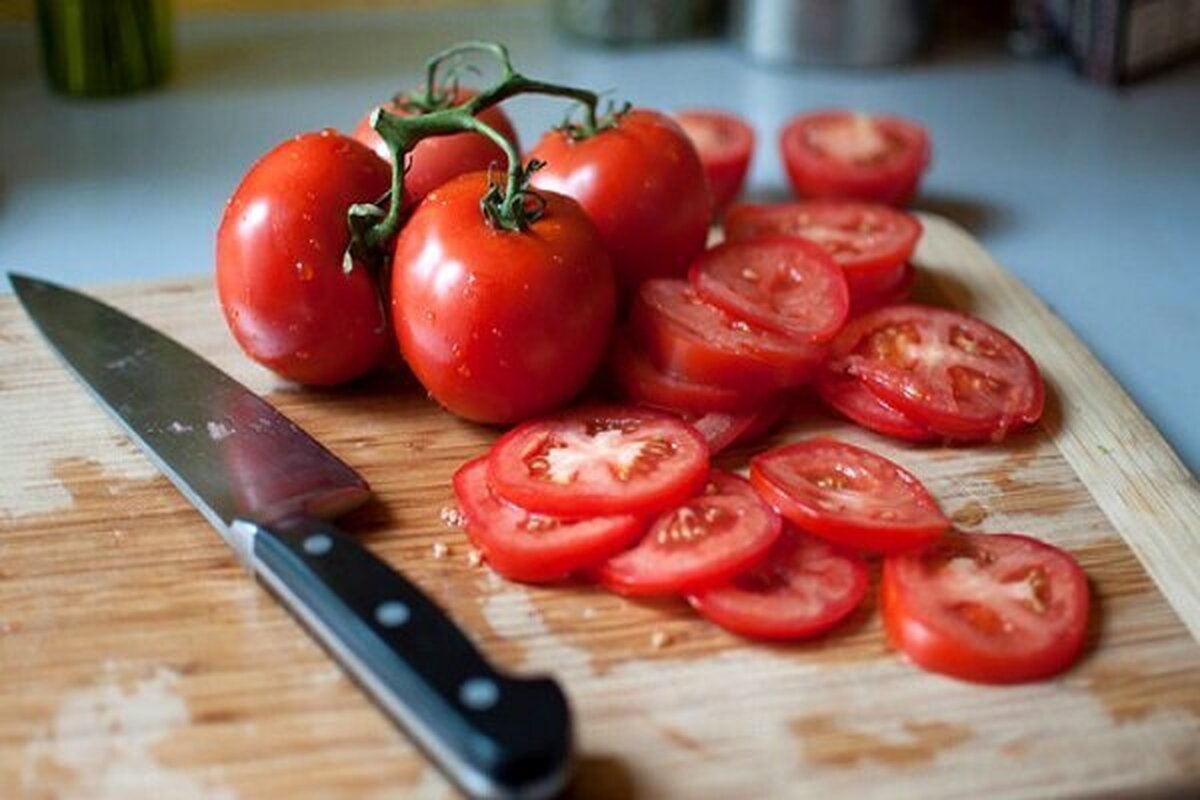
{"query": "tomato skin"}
{"type": "Point", "coordinates": [725, 144]}
{"type": "Point", "coordinates": [924, 621]}
{"type": "Point", "coordinates": [438, 159]}
{"type": "Point", "coordinates": [890, 176]}
{"type": "Point", "coordinates": [848, 396]}
{"type": "Point", "coordinates": [497, 325]}
{"type": "Point", "coordinates": [895, 296]}
{"type": "Point", "coordinates": [642, 183]}
{"type": "Point", "coordinates": [279, 252]}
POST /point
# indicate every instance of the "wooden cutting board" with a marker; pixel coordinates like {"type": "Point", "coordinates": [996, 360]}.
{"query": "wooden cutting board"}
{"type": "Point", "coordinates": [136, 659]}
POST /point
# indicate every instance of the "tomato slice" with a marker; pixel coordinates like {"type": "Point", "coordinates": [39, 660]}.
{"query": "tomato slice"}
{"type": "Point", "coordinates": [869, 301]}
{"type": "Point", "coordinates": [721, 430]}
{"type": "Point", "coordinates": [802, 588]}
{"type": "Point", "coordinates": [526, 546]}
{"type": "Point", "coordinates": [599, 460]}
{"type": "Point", "coordinates": [871, 242]}
{"type": "Point", "coordinates": [990, 608]}
{"type": "Point", "coordinates": [685, 335]}
{"type": "Point", "coordinates": [952, 373]}
{"type": "Point", "coordinates": [725, 144]}
{"type": "Point", "coordinates": [783, 284]}
{"type": "Point", "coordinates": [849, 496]}
{"type": "Point", "coordinates": [846, 155]}
{"type": "Point", "coordinates": [704, 541]}
{"type": "Point", "coordinates": [848, 396]}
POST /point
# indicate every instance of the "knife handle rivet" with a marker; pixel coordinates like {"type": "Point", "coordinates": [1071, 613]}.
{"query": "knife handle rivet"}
{"type": "Point", "coordinates": [479, 694]}
{"type": "Point", "coordinates": [392, 614]}
{"type": "Point", "coordinates": [318, 544]}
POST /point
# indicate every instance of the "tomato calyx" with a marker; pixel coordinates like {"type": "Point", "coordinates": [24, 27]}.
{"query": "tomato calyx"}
{"type": "Point", "coordinates": [593, 123]}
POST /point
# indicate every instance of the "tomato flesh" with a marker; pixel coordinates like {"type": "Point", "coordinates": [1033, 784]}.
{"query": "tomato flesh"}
{"type": "Point", "coordinates": [704, 541]}
{"type": "Point", "coordinates": [849, 397]}
{"type": "Point", "coordinates": [783, 284]}
{"type": "Point", "coordinates": [849, 496]}
{"type": "Point", "coordinates": [725, 144]}
{"type": "Point", "coordinates": [803, 587]}
{"type": "Point", "coordinates": [990, 608]}
{"type": "Point", "coordinates": [599, 461]}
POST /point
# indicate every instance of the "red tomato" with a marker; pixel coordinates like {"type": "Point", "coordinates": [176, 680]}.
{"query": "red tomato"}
{"type": "Point", "coordinates": [286, 298]}
{"type": "Point", "coordinates": [686, 336]}
{"type": "Point", "coordinates": [895, 296]}
{"type": "Point", "coordinates": [600, 460]}
{"type": "Point", "coordinates": [641, 182]}
{"type": "Point", "coordinates": [849, 496]}
{"type": "Point", "coordinates": [848, 396]}
{"type": "Point", "coordinates": [725, 144]}
{"type": "Point", "coordinates": [705, 541]}
{"type": "Point", "coordinates": [952, 373]}
{"type": "Point", "coordinates": [990, 608]}
{"type": "Point", "coordinates": [500, 325]}
{"type": "Point", "coordinates": [436, 160]}
{"type": "Point", "coordinates": [525, 546]}
{"type": "Point", "coordinates": [784, 284]}
{"type": "Point", "coordinates": [850, 156]}
{"type": "Point", "coordinates": [872, 243]}
{"type": "Point", "coordinates": [722, 430]}
{"type": "Point", "coordinates": [802, 588]}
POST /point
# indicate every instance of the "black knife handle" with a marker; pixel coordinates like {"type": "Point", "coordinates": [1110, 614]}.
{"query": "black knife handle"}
{"type": "Point", "coordinates": [493, 735]}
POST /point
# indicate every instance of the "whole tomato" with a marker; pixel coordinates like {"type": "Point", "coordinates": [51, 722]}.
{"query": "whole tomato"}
{"type": "Point", "coordinates": [642, 184]}
{"type": "Point", "coordinates": [283, 290]}
{"type": "Point", "coordinates": [436, 160]}
{"type": "Point", "coordinates": [500, 325]}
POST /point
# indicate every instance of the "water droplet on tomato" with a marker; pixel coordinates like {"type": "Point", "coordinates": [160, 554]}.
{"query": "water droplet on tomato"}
{"type": "Point", "coordinates": [304, 270]}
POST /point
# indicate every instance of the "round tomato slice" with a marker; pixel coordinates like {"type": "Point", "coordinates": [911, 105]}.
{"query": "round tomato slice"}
{"type": "Point", "coordinates": [725, 144]}
{"type": "Point", "coordinates": [845, 155]}
{"type": "Point", "coordinates": [948, 371]}
{"type": "Point", "coordinates": [525, 546]}
{"type": "Point", "coordinates": [871, 242]}
{"type": "Point", "coordinates": [849, 496]}
{"type": "Point", "coordinates": [897, 295]}
{"type": "Point", "coordinates": [706, 540]}
{"type": "Point", "coordinates": [802, 588]}
{"type": "Point", "coordinates": [721, 430]}
{"type": "Point", "coordinates": [599, 460]}
{"type": "Point", "coordinates": [686, 336]}
{"type": "Point", "coordinates": [783, 284]}
{"type": "Point", "coordinates": [990, 608]}
{"type": "Point", "coordinates": [848, 396]}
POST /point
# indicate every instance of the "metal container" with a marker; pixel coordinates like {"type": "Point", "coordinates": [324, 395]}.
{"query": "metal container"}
{"type": "Point", "coordinates": [833, 32]}
{"type": "Point", "coordinates": [621, 21]}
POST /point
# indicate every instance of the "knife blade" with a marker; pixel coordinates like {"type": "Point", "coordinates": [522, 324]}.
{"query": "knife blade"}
{"type": "Point", "coordinates": [271, 491]}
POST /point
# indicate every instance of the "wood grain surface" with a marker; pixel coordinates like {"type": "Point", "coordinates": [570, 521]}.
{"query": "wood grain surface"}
{"type": "Point", "coordinates": [137, 660]}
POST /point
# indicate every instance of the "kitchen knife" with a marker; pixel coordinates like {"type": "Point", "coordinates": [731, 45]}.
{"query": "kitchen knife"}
{"type": "Point", "coordinates": [270, 490]}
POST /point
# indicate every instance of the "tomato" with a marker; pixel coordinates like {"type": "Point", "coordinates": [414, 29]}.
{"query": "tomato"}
{"type": "Point", "coordinates": [845, 155]}
{"type": "Point", "coordinates": [641, 182]}
{"type": "Point", "coordinates": [895, 296]}
{"type": "Point", "coordinates": [784, 284]}
{"type": "Point", "coordinates": [990, 608]}
{"type": "Point", "coordinates": [871, 242]}
{"type": "Point", "coordinates": [599, 460]}
{"type": "Point", "coordinates": [686, 336]}
{"type": "Point", "coordinates": [500, 325]}
{"type": "Point", "coordinates": [722, 430]}
{"type": "Point", "coordinates": [952, 373]}
{"type": "Point", "coordinates": [525, 546]}
{"type": "Point", "coordinates": [706, 540]}
{"type": "Point", "coordinates": [848, 396]}
{"type": "Point", "coordinates": [802, 588]}
{"type": "Point", "coordinates": [438, 159]}
{"type": "Point", "coordinates": [849, 496]}
{"type": "Point", "coordinates": [725, 144]}
{"type": "Point", "coordinates": [285, 296]}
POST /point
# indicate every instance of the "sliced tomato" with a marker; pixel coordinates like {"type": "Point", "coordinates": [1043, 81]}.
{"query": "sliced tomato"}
{"type": "Point", "coordinates": [686, 336]}
{"type": "Point", "coordinates": [848, 396]}
{"type": "Point", "coordinates": [722, 430]}
{"type": "Point", "coordinates": [643, 382]}
{"type": "Point", "coordinates": [525, 546]}
{"type": "Point", "coordinates": [725, 144]}
{"type": "Point", "coordinates": [897, 295]}
{"type": "Point", "coordinates": [952, 373]}
{"type": "Point", "coordinates": [802, 588]}
{"type": "Point", "coordinates": [598, 461]}
{"type": "Point", "coordinates": [783, 284]}
{"type": "Point", "coordinates": [871, 242]}
{"type": "Point", "coordinates": [846, 155]}
{"type": "Point", "coordinates": [849, 496]}
{"type": "Point", "coordinates": [991, 608]}
{"type": "Point", "coordinates": [704, 541]}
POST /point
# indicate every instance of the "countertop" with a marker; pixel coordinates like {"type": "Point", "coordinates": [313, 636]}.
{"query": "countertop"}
{"type": "Point", "coordinates": [1090, 195]}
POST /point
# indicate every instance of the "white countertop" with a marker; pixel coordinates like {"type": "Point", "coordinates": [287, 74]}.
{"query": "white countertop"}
{"type": "Point", "coordinates": [1090, 195]}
